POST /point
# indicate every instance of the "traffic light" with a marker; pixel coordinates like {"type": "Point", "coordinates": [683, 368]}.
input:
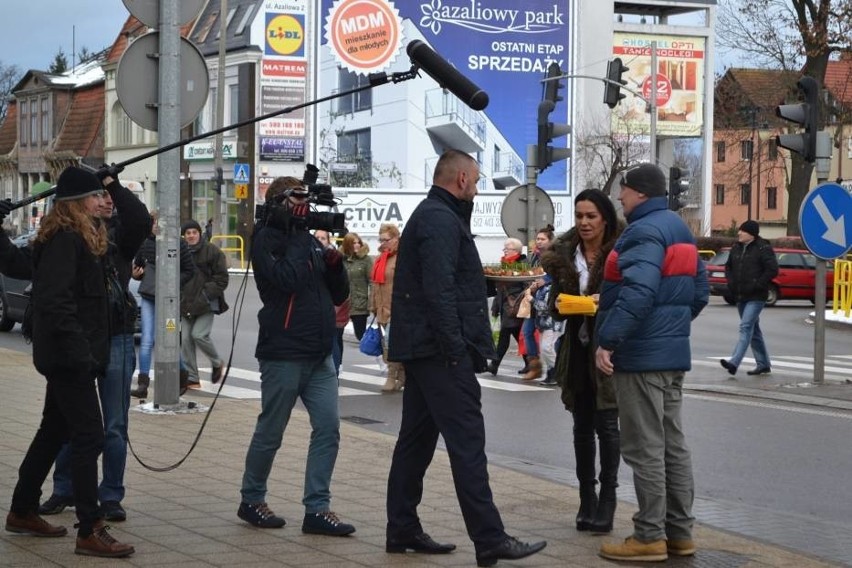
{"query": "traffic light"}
{"type": "Point", "coordinates": [547, 131]}
{"type": "Point", "coordinates": [612, 86]}
{"type": "Point", "coordinates": [678, 185]}
{"type": "Point", "coordinates": [551, 88]}
{"type": "Point", "coordinates": [806, 114]}
{"type": "Point", "coordinates": [218, 181]}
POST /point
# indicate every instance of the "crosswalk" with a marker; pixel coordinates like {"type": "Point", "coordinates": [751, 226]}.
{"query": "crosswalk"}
{"type": "Point", "coordinates": [368, 379]}
{"type": "Point", "coordinates": [838, 368]}
{"type": "Point", "coordinates": [363, 380]}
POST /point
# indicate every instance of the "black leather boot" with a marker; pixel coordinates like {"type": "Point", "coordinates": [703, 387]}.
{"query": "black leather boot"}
{"type": "Point", "coordinates": [526, 368]}
{"type": "Point", "coordinates": [584, 453]}
{"type": "Point", "coordinates": [141, 390]}
{"type": "Point", "coordinates": [588, 506]}
{"type": "Point", "coordinates": [610, 443]}
{"type": "Point", "coordinates": [493, 366]}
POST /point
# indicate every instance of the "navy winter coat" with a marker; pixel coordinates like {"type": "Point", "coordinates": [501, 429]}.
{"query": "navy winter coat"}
{"type": "Point", "coordinates": [655, 284]}
{"type": "Point", "coordinates": [440, 307]}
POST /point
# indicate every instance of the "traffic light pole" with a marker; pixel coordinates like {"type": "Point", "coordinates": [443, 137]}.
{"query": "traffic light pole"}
{"type": "Point", "coordinates": [652, 105]}
{"type": "Point", "coordinates": [532, 179]}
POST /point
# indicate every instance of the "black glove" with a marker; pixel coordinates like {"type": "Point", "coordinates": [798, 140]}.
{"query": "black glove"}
{"type": "Point", "coordinates": [6, 207]}
{"type": "Point", "coordinates": [333, 258]}
{"type": "Point", "coordinates": [106, 171]}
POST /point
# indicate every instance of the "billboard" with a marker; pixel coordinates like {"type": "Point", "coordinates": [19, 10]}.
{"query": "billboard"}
{"type": "Point", "coordinates": [679, 78]}
{"type": "Point", "coordinates": [503, 46]}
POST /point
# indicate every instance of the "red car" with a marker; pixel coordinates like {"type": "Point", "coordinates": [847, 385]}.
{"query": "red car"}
{"type": "Point", "coordinates": [795, 280]}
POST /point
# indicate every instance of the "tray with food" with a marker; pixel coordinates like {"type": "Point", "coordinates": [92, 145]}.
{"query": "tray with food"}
{"type": "Point", "coordinates": [512, 272]}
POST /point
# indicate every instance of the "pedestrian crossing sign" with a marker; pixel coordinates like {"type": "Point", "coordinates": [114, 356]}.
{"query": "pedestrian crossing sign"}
{"type": "Point", "coordinates": [241, 173]}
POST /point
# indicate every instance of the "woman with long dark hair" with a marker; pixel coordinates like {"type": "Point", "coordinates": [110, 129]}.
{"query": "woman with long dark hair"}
{"type": "Point", "coordinates": [576, 264]}
{"type": "Point", "coordinates": [70, 335]}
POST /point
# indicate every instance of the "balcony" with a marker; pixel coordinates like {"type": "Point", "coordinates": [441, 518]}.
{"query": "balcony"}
{"type": "Point", "coordinates": [508, 170]}
{"type": "Point", "coordinates": [453, 123]}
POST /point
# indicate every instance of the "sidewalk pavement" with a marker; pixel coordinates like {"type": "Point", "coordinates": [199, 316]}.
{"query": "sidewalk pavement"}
{"type": "Point", "coordinates": [187, 517]}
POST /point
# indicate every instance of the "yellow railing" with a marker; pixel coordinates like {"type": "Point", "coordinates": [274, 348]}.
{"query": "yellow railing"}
{"type": "Point", "coordinates": [237, 251]}
{"type": "Point", "coordinates": [706, 254]}
{"type": "Point", "coordinates": [842, 287]}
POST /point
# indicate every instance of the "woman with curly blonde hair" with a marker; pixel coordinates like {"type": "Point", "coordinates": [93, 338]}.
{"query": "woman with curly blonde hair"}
{"type": "Point", "coordinates": [70, 335]}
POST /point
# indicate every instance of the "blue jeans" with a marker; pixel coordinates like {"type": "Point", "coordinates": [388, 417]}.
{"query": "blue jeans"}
{"type": "Point", "coordinates": [528, 329]}
{"type": "Point", "coordinates": [114, 393]}
{"type": "Point", "coordinates": [750, 334]}
{"type": "Point", "coordinates": [281, 383]}
{"type": "Point", "coordinates": [146, 342]}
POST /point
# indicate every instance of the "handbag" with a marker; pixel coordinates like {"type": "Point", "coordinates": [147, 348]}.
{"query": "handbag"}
{"type": "Point", "coordinates": [371, 341]}
{"type": "Point", "coordinates": [525, 307]}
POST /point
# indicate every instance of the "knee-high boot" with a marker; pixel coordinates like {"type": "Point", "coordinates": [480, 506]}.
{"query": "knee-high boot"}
{"type": "Point", "coordinates": [610, 442]}
{"type": "Point", "coordinates": [584, 452]}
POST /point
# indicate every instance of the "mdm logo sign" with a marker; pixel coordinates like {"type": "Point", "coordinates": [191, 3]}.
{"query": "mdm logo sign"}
{"type": "Point", "coordinates": [285, 34]}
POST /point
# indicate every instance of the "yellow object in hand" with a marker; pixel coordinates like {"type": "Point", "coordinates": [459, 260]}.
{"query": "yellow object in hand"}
{"type": "Point", "coordinates": [570, 305]}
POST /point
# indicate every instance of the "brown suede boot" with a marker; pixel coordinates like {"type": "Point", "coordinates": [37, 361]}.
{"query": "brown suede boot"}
{"type": "Point", "coordinates": [535, 369]}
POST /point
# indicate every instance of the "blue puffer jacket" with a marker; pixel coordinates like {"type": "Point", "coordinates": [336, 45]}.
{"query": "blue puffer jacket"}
{"type": "Point", "coordinates": [655, 284]}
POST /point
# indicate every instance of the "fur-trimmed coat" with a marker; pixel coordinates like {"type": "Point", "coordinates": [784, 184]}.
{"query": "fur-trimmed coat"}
{"type": "Point", "coordinates": [559, 262]}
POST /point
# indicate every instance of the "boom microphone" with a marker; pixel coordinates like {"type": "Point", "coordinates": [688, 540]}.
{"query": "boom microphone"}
{"type": "Point", "coordinates": [446, 75]}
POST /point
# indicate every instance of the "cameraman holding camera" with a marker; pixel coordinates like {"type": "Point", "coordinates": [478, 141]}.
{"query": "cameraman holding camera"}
{"type": "Point", "coordinates": [299, 282]}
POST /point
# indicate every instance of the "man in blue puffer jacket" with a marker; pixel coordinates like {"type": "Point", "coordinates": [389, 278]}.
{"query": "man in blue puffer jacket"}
{"type": "Point", "coordinates": [655, 284]}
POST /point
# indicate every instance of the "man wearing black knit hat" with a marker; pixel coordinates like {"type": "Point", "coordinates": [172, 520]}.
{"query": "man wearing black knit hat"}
{"type": "Point", "coordinates": [750, 269]}
{"type": "Point", "coordinates": [200, 299]}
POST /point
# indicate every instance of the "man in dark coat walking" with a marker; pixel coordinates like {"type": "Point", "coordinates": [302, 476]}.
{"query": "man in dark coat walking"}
{"type": "Point", "coordinates": [750, 269]}
{"type": "Point", "coordinates": [442, 335]}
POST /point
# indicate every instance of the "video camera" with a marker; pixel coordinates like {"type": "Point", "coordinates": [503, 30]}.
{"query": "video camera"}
{"type": "Point", "coordinates": [277, 214]}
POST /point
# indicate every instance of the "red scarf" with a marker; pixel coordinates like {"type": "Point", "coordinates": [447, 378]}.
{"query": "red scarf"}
{"type": "Point", "coordinates": [379, 268]}
{"type": "Point", "coordinates": [511, 257]}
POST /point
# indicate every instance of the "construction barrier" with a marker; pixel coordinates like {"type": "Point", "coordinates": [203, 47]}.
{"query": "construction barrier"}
{"type": "Point", "coordinates": [842, 287]}
{"type": "Point", "coordinates": [235, 254]}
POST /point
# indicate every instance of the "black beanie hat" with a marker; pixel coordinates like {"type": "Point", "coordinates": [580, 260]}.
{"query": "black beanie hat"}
{"type": "Point", "coordinates": [76, 183]}
{"type": "Point", "coordinates": [191, 224]}
{"type": "Point", "coordinates": [647, 179]}
{"type": "Point", "coordinates": [750, 227]}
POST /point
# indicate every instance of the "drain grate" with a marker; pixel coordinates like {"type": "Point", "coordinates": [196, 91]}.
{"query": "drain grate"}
{"type": "Point", "coordinates": [360, 420]}
{"type": "Point", "coordinates": [705, 558]}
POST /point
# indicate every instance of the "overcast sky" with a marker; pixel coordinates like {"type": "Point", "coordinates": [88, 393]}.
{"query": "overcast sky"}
{"type": "Point", "coordinates": [34, 30]}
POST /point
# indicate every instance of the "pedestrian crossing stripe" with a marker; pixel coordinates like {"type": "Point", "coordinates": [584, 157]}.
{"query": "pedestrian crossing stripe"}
{"type": "Point", "coordinates": [793, 365]}
{"type": "Point", "coordinates": [370, 377]}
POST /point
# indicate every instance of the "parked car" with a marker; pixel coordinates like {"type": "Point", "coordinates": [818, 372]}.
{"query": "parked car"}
{"type": "Point", "coordinates": [15, 295]}
{"type": "Point", "coordinates": [796, 276]}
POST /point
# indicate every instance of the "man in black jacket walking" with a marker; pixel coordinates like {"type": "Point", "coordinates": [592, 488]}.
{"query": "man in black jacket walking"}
{"type": "Point", "coordinates": [442, 335]}
{"type": "Point", "coordinates": [750, 269]}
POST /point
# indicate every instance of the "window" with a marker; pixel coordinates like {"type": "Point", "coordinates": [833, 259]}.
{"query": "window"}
{"type": "Point", "coordinates": [123, 127]}
{"type": "Point", "coordinates": [34, 126]}
{"type": "Point", "coordinates": [773, 149]}
{"type": "Point", "coordinates": [496, 165]}
{"type": "Point", "coordinates": [772, 198]}
{"type": "Point", "coordinates": [720, 194]}
{"type": "Point", "coordinates": [234, 104]}
{"type": "Point", "coordinates": [363, 100]}
{"type": "Point", "coordinates": [745, 193]}
{"type": "Point", "coordinates": [25, 137]}
{"type": "Point", "coordinates": [45, 120]}
{"type": "Point", "coordinates": [242, 25]}
{"type": "Point", "coordinates": [720, 151]}
{"type": "Point", "coordinates": [354, 146]}
{"type": "Point", "coordinates": [746, 149]}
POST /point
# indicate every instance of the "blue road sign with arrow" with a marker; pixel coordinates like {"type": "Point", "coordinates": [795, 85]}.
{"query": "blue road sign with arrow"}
{"type": "Point", "coordinates": [825, 221]}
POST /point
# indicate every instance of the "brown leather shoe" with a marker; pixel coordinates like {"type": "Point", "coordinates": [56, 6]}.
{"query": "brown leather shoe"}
{"type": "Point", "coordinates": [633, 550]}
{"type": "Point", "coordinates": [100, 543]}
{"type": "Point", "coordinates": [33, 525]}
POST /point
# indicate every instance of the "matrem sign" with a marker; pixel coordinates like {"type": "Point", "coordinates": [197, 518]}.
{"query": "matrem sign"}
{"type": "Point", "coordinates": [366, 210]}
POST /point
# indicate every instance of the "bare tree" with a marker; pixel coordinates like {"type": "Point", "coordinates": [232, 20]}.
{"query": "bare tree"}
{"type": "Point", "coordinates": [608, 148]}
{"type": "Point", "coordinates": [795, 35]}
{"type": "Point", "coordinates": [9, 76]}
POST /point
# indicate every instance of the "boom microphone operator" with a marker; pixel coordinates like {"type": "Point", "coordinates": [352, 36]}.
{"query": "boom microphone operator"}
{"type": "Point", "coordinates": [446, 75]}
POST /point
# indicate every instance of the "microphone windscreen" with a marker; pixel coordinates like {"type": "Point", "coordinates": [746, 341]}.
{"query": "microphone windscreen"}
{"type": "Point", "coordinates": [446, 75]}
